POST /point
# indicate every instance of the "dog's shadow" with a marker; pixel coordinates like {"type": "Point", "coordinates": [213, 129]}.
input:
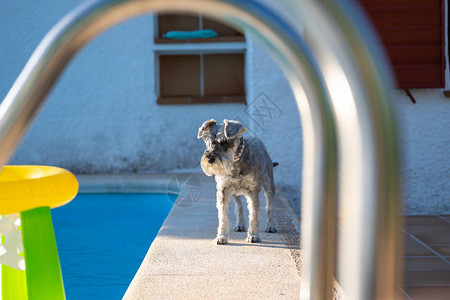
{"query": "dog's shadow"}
{"type": "Point", "coordinates": [265, 244]}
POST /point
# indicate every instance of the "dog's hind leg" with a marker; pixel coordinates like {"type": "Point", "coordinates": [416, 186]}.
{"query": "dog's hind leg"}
{"type": "Point", "coordinates": [253, 217]}
{"type": "Point", "coordinates": [269, 193]}
{"type": "Point", "coordinates": [238, 209]}
{"type": "Point", "coordinates": [223, 200]}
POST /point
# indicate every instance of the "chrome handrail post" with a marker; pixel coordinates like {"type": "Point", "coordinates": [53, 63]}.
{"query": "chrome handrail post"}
{"type": "Point", "coordinates": [359, 80]}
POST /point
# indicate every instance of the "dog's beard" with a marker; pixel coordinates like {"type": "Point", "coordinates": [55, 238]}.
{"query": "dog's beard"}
{"type": "Point", "coordinates": [220, 167]}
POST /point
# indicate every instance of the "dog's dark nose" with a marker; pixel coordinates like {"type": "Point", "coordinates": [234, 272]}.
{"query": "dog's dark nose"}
{"type": "Point", "coordinates": [211, 160]}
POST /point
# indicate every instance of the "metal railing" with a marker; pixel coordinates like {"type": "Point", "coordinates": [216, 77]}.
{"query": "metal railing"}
{"type": "Point", "coordinates": [340, 83]}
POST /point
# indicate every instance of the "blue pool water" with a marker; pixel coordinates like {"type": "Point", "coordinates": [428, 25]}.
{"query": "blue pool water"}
{"type": "Point", "coordinates": [103, 238]}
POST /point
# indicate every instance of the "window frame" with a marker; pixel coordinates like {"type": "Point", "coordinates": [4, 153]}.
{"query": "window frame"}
{"type": "Point", "coordinates": [220, 39]}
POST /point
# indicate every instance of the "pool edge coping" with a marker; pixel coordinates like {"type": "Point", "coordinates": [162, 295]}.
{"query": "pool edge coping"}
{"type": "Point", "coordinates": [128, 183]}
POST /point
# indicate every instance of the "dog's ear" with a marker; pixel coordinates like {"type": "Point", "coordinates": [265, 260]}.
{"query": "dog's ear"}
{"type": "Point", "coordinates": [233, 129]}
{"type": "Point", "coordinates": [205, 127]}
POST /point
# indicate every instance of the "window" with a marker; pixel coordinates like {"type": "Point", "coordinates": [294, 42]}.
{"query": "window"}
{"type": "Point", "coordinates": [172, 22]}
{"type": "Point", "coordinates": [413, 36]}
{"type": "Point", "coordinates": [201, 78]}
{"type": "Point", "coordinates": [199, 70]}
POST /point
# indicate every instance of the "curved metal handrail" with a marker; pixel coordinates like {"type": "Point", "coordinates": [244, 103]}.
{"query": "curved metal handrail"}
{"type": "Point", "coordinates": [359, 81]}
{"type": "Point", "coordinates": [310, 88]}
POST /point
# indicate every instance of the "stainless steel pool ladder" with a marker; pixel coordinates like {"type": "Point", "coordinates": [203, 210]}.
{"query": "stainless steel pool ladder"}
{"type": "Point", "coordinates": [341, 83]}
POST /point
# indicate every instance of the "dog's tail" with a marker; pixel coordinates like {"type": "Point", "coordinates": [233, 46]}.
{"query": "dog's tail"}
{"type": "Point", "coordinates": [275, 164]}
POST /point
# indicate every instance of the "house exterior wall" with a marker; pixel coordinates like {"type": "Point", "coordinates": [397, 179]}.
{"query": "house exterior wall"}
{"type": "Point", "coordinates": [424, 132]}
{"type": "Point", "coordinates": [102, 116]}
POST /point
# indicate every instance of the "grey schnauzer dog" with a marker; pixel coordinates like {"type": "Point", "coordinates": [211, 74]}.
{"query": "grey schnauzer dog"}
{"type": "Point", "coordinates": [241, 167]}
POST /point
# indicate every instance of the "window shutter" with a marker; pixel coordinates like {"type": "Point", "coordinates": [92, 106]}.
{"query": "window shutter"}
{"type": "Point", "coordinates": [201, 78]}
{"type": "Point", "coordinates": [412, 33]}
{"type": "Point", "coordinates": [179, 75]}
{"type": "Point", "coordinates": [224, 74]}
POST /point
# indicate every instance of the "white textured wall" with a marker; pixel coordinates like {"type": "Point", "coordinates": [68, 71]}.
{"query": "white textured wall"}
{"type": "Point", "coordinates": [424, 129]}
{"type": "Point", "coordinates": [280, 128]}
{"type": "Point", "coordinates": [275, 120]}
{"type": "Point", "coordinates": [102, 117]}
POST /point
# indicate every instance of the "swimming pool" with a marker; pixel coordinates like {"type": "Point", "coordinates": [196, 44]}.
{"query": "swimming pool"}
{"type": "Point", "coordinates": [103, 238]}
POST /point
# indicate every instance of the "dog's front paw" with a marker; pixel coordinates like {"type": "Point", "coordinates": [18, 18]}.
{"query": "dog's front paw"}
{"type": "Point", "coordinates": [239, 228]}
{"type": "Point", "coordinates": [252, 239]}
{"type": "Point", "coordinates": [220, 240]}
{"type": "Point", "coordinates": [271, 229]}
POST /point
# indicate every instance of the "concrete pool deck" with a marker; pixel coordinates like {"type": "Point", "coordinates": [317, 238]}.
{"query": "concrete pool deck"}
{"type": "Point", "coordinates": [183, 262]}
